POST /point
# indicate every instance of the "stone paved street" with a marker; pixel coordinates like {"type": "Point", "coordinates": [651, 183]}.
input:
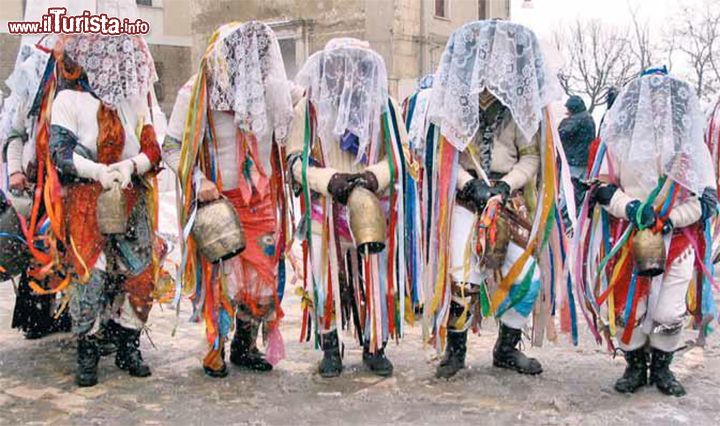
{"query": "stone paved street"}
{"type": "Point", "coordinates": [36, 385]}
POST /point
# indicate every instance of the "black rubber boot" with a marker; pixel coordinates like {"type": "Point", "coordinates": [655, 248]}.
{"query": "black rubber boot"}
{"type": "Point", "coordinates": [243, 350]}
{"type": "Point", "coordinates": [377, 363]}
{"type": "Point", "coordinates": [507, 355]}
{"type": "Point", "coordinates": [105, 340]}
{"type": "Point", "coordinates": [331, 364]}
{"type": "Point", "coordinates": [87, 362]}
{"type": "Point", "coordinates": [454, 359]}
{"type": "Point", "coordinates": [661, 375]}
{"type": "Point", "coordinates": [635, 375]}
{"type": "Point", "coordinates": [128, 356]}
{"type": "Point", "coordinates": [32, 313]}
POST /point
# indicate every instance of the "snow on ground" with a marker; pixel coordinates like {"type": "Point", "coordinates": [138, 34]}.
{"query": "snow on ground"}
{"type": "Point", "coordinates": [36, 382]}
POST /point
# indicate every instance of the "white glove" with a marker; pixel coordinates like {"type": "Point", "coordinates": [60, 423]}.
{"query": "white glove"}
{"type": "Point", "coordinates": [125, 170]}
{"type": "Point", "coordinates": [139, 164]}
{"type": "Point", "coordinates": [107, 178]}
{"type": "Point", "coordinates": [98, 172]}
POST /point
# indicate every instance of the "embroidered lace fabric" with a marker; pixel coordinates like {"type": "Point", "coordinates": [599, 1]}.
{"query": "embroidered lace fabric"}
{"type": "Point", "coordinates": [118, 67]}
{"type": "Point", "coordinates": [502, 57]}
{"type": "Point", "coordinates": [656, 124]}
{"type": "Point", "coordinates": [23, 83]}
{"type": "Point", "coordinates": [347, 85]}
{"type": "Point", "coordinates": [246, 74]}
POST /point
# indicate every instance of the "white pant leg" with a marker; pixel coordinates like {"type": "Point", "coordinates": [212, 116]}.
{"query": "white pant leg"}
{"type": "Point", "coordinates": [512, 318]}
{"type": "Point", "coordinates": [669, 313]}
{"type": "Point", "coordinates": [462, 233]}
{"type": "Point", "coordinates": [317, 253]}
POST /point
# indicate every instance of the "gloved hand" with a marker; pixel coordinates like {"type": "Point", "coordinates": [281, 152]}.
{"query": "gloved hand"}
{"type": "Point", "coordinates": [106, 177]}
{"type": "Point", "coordinates": [18, 181]}
{"type": "Point", "coordinates": [604, 194]}
{"type": "Point", "coordinates": [477, 193]}
{"type": "Point", "coordinates": [501, 188]}
{"type": "Point", "coordinates": [647, 216]}
{"type": "Point", "coordinates": [208, 191]}
{"type": "Point", "coordinates": [708, 203]}
{"type": "Point", "coordinates": [125, 168]}
{"type": "Point", "coordinates": [367, 180]}
{"type": "Point", "coordinates": [340, 186]}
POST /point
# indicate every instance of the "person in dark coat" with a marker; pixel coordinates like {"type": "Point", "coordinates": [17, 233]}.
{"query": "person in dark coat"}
{"type": "Point", "coordinates": [577, 131]}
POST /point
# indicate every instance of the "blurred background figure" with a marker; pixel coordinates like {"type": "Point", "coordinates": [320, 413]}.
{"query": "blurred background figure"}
{"type": "Point", "coordinates": [577, 131]}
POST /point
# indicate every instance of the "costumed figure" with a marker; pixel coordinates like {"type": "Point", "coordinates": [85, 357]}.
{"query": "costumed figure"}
{"type": "Point", "coordinates": [225, 140]}
{"type": "Point", "coordinates": [496, 242]}
{"type": "Point", "coordinates": [97, 159]}
{"type": "Point", "coordinates": [33, 314]}
{"type": "Point", "coordinates": [642, 259]}
{"type": "Point", "coordinates": [347, 157]}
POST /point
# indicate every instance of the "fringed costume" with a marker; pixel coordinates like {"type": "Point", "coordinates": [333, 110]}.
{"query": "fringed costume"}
{"type": "Point", "coordinates": [492, 185]}
{"type": "Point", "coordinates": [36, 315]}
{"type": "Point", "coordinates": [228, 130]}
{"type": "Point", "coordinates": [347, 133]}
{"type": "Point", "coordinates": [656, 179]}
{"type": "Point", "coordinates": [100, 135]}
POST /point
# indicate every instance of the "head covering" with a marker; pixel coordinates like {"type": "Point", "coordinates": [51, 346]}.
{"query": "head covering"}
{"type": "Point", "coordinates": [575, 104]}
{"type": "Point", "coordinates": [23, 82]}
{"type": "Point", "coordinates": [246, 74]}
{"type": "Point", "coordinates": [118, 67]}
{"type": "Point", "coordinates": [502, 57]}
{"type": "Point", "coordinates": [656, 125]}
{"type": "Point", "coordinates": [347, 85]}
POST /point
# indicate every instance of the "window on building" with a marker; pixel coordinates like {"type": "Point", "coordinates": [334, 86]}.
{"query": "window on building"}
{"type": "Point", "coordinates": [482, 9]}
{"type": "Point", "coordinates": [287, 48]}
{"type": "Point", "coordinates": [441, 8]}
{"type": "Point", "coordinates": [144, 2]}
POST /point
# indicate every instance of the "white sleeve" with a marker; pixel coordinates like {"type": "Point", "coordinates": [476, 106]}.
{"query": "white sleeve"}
{"type": "Point", "coordinates": [176, 124]}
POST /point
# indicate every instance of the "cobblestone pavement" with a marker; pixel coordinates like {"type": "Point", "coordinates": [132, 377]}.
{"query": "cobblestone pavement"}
{"type": "Point", "coordinates": [36, 385]}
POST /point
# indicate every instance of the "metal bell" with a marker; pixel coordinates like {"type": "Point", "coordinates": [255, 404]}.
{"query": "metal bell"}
{"type": "Point", "coordinates": [112, 214]}
{"type": "Point", "coordinates": [649, 252]}
{"type": "Point", "coordinates": [218, 231]}
{"type": "Point", "coordinates": [367, 221]}
{"type": "Point", "coordinates": [14, 256]}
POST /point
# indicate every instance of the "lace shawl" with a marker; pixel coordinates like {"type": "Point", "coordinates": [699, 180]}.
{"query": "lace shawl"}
{"type": "Point", "coordinates": [502, 57]}
{"type": "Point", "coordinates": [347, 85]}
{"type": "Point", "coordinates": [656, 125]}
{"type": "Point", "coordinates": [246, 75]}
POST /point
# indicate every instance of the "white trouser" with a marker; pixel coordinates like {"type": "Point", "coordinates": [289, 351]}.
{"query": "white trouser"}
{"type": "Point", "coordinates": [661, 315]}
{"type": "Point", "coordinates": [462, 234]}
{"type": "Point", "coordinates": [317, 252]}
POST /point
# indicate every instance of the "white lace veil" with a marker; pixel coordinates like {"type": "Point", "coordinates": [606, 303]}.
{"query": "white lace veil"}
{"type": "Point", "coordinates": [246, 74]}
{"type": "Point", "coordinates": [117, 67]}
{"type": "Point", "coordinates": [656, 125]}
{"type": "Point", "coordinates": [503, 57]}
{"type": "Point", "coordinates": [347, 85]}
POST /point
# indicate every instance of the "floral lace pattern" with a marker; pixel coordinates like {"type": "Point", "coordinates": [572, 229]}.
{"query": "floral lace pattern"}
{"type": "Point", "coordinates": [246, 75]}
{"type": "Point", "coordinates": [23, 83]}
{"type": "Point", "coordinates": [347, 85]}
{"type": "Point", "coordinates": [502, 57]}
{"type": "Point", "coordinates": [118, 67]}
{"type": "Point", "coordinates": [656, 125]}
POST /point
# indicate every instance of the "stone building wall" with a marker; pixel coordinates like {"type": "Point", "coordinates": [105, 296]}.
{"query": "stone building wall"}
{"type": "Point", "coordinates": [173, 68]}
{"type": "Point", "coordinates": [9, 46]}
